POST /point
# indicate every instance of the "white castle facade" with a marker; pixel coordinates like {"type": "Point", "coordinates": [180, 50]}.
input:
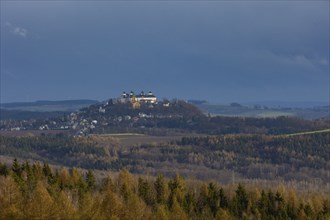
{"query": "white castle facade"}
{"type": "Point", "coordinates": [139, 98]}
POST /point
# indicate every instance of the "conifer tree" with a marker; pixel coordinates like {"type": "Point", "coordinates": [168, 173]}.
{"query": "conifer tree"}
{"type": "Point", "coordinates": [47, 171]}
{"type": "Point", "coordinates": [64, 178]}
{"type": "Point", "coordinates": [189, 203]}
{"type": "Point", "coordinates": [161, 189]}
{"type": "Point", "coordinates": [37, 171]}
{"type": "Point", "coordinates": [240, 202]}
{"type": "Point", "coordinates": [224, 214]}
{"type": "Point", "coordinates": [177, 190]}
{"type": "Point", "coordinates": [107, 184]}
{"type": "Point", "coordinates": [41, 204]}
{"type": "Point", "coordinates": [202, 200]}
{"type": "Point", "coordinates": [292, 205]}
{"type": "Point", "coordinates": [125, 183]}
{"type": "Point", "coordinates": [90, 206]}
{"type": "Point", "coordinates": [10, 199]}
{"type": "Point", "coordinates": [4, 171]}
{"type": "Point", "coordinates": [134, 209]}
{"type": "Point", "coordinates": [16, 168]}
{"type": "Point", "coordinates": [223, 199]}
{"type": "Point", "coordinates": [213, 198]}
{"type": "Point", "coordinates": [177, 213]}
{"type": "Point", "coordinates": [31, 181]}
{"type": "Point", "coordinates": [90, 180]}
{"type": "Point", "coordinates": [111, 205]}
{"type": "Point", "coordinates": [326, 209]}
{"type": "Point", "coordinates": [65, 206]}
{"type": "Point", "coordinates": [145, 192]}
{"type": "Point", "coordinates": [161, 213]}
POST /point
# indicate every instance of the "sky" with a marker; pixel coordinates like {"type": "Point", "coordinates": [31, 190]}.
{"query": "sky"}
{"type": "Point", "coordinates": [219, 51]}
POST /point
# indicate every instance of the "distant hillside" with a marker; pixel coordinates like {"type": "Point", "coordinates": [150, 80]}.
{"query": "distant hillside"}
{"type": "Point", "coordinates": [49, 106]}
{"type": "Point", "coordinates": [263, 111]}
{"type": "Point", "coordinates": [277, 158]}
{"type": "Point", "coordinates": [163, 118]}
{"type": "Point", "coordinates": [122, 117]}
{"type": "Point", "coordinates": [6, 114]}
{"type": "Point", "coordinates": [283, 104]}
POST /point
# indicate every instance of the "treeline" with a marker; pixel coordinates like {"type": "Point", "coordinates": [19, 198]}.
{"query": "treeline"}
{"type": "Point", "coordinates": [58, 149]}
{"type": "Point", "coordinates": [311, 150]}
{"type": "Point", "coordinates": [35, 191]}
{"type": "Point", "coordinates": [218, 125]}
{"type": "Point", "coordinates": [273, 126]}
{"type": "Point", "coordinates": [280, 158]}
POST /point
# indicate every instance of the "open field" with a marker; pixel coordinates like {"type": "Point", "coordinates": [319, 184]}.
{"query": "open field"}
{"type": "Point", "coordinates": [310, 132]}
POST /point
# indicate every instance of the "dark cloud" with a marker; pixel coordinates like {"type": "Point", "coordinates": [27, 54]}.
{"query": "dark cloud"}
{"type": "Point", "coordinates": [220, 51]}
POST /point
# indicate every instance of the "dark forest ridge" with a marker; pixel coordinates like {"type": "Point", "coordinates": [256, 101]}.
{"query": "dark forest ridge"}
{"type": "Point", "coordinates": [48, 106]}
{"type": "Point", "coordinates": [48, 102]}
{"type": "Point", "coordinates": [205, 157]}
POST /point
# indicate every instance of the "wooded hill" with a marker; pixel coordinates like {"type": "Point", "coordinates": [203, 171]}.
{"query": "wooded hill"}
{"type": "Point", "coordinates": [35, 191]}
{"type": "Point", "coordinates": [225, 149]}
{"type": "Point", "coordinates": [164, 118]}
{"type": "Point", "coordinates": [276, 158]}
{"type": "Point", "coordinates": [185, 117]}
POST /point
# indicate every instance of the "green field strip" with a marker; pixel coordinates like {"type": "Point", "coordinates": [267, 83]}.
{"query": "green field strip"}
{"type": "Point", "coordinates": [309, 132]}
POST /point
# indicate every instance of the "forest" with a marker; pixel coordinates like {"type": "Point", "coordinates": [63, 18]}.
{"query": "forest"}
{"type": "Point", "coordinates": [303, 158]}
{"type": "Point", "coordinates": [38, 191]}
{"type": "Point", "coordinates": [115, 162]}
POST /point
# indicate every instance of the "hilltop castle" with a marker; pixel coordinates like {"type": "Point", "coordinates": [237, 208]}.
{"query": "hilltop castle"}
{"type": "Point", "coordinates": [137, 100]}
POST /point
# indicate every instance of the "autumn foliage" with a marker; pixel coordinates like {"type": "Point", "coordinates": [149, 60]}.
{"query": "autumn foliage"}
{"type": "Point", "coordinates": [35, 191]}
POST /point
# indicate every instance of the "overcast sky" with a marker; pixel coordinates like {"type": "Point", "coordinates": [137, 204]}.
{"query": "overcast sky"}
{"type": "Point", "coordinates": [219, 51]}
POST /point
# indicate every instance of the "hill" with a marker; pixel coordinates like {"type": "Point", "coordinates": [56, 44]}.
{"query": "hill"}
{"type": "Point", "coordinates": [8, 114]}
{"type": "Point", "coordinates": [48, 106]}
{"type": "Point", "coordinates": [113, 117]}
{"type": "Point", "coordinates": [265, 110]}
{"type": "Point", "coordinates": [249, 157]}
{"type": "Point", "coordinates": [176, 116]}
{"type": "Point", "coordinates": [283, 104]}
{"type": "Point", "coordinates": [175, 136]}
{"type": "Point", "coordinates": [164, 118]}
